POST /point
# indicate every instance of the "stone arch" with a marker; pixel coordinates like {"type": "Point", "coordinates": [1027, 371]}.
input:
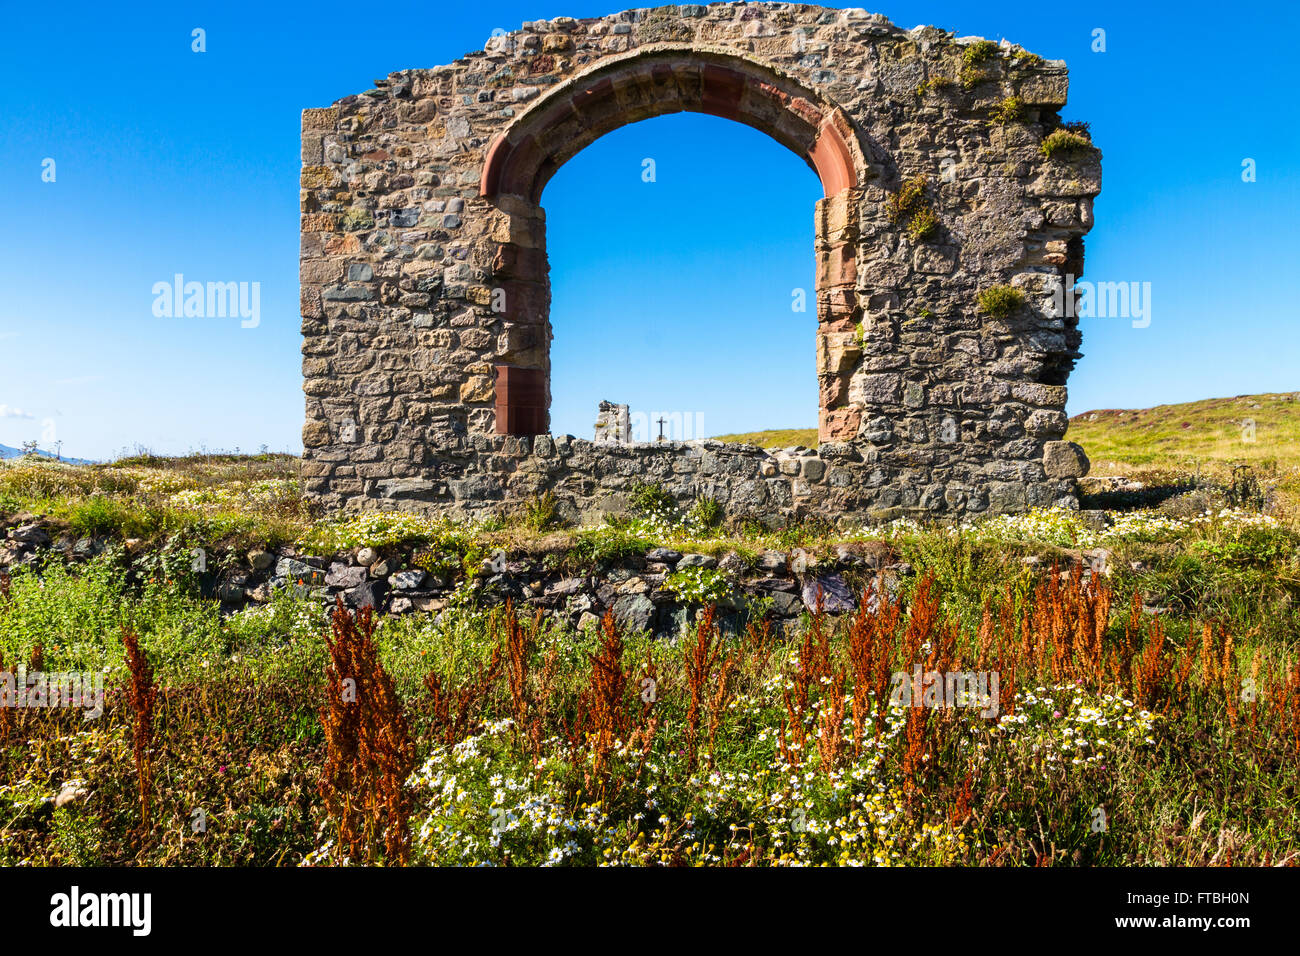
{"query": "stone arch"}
{"type": "Point", "coordinates": [425, 295]}
{"type": "Point", "coordinates": [653, 81]}
{"type": "Point", "coordinates": [660, 79]}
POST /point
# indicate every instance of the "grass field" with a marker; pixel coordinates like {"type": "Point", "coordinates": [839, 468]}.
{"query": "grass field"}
{"type": "Point", "coordinates": [1147, 713]}
{"type": "Point", "coordinates": [1217, 433]}
{"type": "Point", "coordinates": [775, 438]}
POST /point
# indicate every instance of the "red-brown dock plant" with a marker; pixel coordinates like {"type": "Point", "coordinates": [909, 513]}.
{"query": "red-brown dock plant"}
{"type": "Point", "coordinates": [1065, 627]}
{"type": "Point", "coordinates": [830, 735]}
{"type": "Point", "coordinates": [814, 663]}
{"type": "Point", "coordinates": [1124, 650]}
{"type": "Point", "coordinates": [962, 801]}
{"type": "Point", "coordinates": [1284, 691]}
{"type": "Point", "coordinates": [871, 637]}
{"type": "Point", "coordinates": [724, 691]}
{"type": "Point", "coordinates": [998, 647]}
{"type": "Point", "coordinates": [141, 695]}
{"type": "Point", "coordinates": [519, 648]}
{"type": "Point", "coordinates": [1148, 668]}
{"type": "Point", "coordinates": [701, 656]}
{"type": "Point", "coordinates": [756, 644]}
{"type": "Point", "coordinates": [543, 698]}
{"type": "Point", "coordinates": [915, 748]}
{"type": "Point", "coordinates": [607, 718]}
{"type": "Point", "coordinates": [922, 616]}
{"type": "Point", "coordinates": [369, 751]}
{"type": "Point", "coordinates": [1220, 673]}
{"type": "Point", "coordinates": [643, 735]}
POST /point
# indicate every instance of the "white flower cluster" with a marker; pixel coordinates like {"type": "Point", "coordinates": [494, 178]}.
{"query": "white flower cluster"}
{"type": "Point", "coordinates": [1065, 528]}
{"type": "Point", "coordinates": [242, 494]}
{"type": "Point", "coordinates": [1065, 724]}
{"type": "Point", "coordinates": [665, 522]}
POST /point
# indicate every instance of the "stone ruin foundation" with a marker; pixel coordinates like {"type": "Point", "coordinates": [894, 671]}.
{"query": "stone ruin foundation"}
{"type": "Point", "coordinates": [425, 290]}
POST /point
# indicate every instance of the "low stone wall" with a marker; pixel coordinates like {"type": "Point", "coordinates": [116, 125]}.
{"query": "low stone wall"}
{"type": "Point", "coordinates": [778, 585]}
{"type": "Point", "coordinates": [839, 481]}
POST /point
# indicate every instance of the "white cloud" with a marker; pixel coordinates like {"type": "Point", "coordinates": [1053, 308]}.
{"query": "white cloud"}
{"type": "Point", "coordinates": [7, 412]}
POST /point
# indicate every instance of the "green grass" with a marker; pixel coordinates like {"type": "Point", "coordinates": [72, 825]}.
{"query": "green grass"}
{"type": "Point", "coordinates": [1214, 433]}
{"type": "Point", "coordinates": [775, 438]}
{"type": "Point", "coordinates": [238, 733]}
{"type": "Point", "coordinates": [238, 736]}
{"type": "Point", "coordinates": [1066, 143]}
{"type": "Point", "coordinates": [212, 500]}
{"type": "Point", "coordinates": [1009, 110]}
{"type": "Point", "coordinates": [1000, 301]}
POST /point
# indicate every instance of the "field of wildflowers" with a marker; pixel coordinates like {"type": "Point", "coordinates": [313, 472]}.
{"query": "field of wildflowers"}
{"type": "Point", "coordinates": [1140, 708]}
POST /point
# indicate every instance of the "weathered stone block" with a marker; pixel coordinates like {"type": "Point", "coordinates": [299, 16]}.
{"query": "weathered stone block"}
{"type": "Point", "coordinates": [1064, 459]}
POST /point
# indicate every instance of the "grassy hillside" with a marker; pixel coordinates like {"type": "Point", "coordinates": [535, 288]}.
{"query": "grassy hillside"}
{"type": "Point", "coordinates": [775, 438]}
{"type": "Point", "coordinates": [1214, 434]}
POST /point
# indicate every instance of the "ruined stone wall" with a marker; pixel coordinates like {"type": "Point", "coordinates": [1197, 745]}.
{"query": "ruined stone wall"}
{"type": "Point", "coordinates": [839, 481]}
{"type": "Point", "coordinates": [425, 290]}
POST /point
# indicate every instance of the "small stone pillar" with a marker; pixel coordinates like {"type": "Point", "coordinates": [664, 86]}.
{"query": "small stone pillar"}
{"type": "Point", "coordinates": [612, 425]}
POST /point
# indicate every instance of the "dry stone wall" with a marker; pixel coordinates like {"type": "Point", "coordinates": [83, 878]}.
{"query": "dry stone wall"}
{"type": "Point", "coordinates": [425, 291]}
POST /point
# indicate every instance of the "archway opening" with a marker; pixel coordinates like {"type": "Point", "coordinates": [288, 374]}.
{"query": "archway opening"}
{"type": "Point", "coordinates": [682, 281]}
{"type": "Point", "coordinates": [626, 90]}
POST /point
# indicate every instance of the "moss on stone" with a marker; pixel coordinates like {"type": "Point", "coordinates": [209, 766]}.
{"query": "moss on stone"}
{"type": "Point", "coordinates": [1065, 142]}
{"type": "Point", "coordinates": [910, 207]}
{"type": "Point", "coordinates": [1000, 301]}
{"type": "Point", "coordinates": [922, 224]}
{"type": "Point", "coordinates": [1009, 110]}
{"type": "Point", "coordinates": [935, 84]}
{"type": "Point", "coordinates": [973, 59]}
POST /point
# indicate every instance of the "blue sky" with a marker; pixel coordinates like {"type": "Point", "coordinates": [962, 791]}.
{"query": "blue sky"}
{"type": "Point", "coordinates": [672, 296]}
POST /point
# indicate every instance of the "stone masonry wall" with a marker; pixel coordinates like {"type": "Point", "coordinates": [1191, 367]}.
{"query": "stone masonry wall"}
{"type": "Point", "coordinates": [425, 289]}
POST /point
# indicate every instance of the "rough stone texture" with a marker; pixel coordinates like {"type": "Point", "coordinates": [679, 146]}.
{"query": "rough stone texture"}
{"type": "Point", "coordinates": [635, 585]}
{"type": "Point", "coordinates": [1063, 459]}
{"type": "Point", "coordinates": [612, 425]}
{"type": "Point", "coordinates": [425, 291]}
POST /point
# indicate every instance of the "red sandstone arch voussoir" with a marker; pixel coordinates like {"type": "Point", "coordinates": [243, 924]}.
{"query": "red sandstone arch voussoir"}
{"type": "Point", "coordinates": [624, 89]}
{"type": "Point", "coordinates": [613, 93]}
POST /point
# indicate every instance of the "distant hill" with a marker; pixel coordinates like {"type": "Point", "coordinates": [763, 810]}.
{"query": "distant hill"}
{"type": "Point", "coordinates": [1260, 430]}
{"type": "Point", "coordinates": [775, 438]}
{"type": "Point", "coordinates": [7, 452]}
